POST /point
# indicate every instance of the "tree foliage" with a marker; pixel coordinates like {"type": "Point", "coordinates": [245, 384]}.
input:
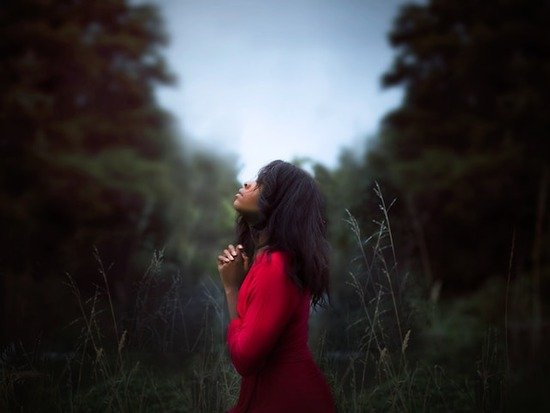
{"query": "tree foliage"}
{"type": "Point", "coordinates": [466, 153]}
{"type": "Point", "coordinates": [89, 159]}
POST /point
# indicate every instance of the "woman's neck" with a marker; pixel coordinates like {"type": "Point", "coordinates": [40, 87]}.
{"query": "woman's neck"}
{"type": "Point", "coordinates": [260, 242]}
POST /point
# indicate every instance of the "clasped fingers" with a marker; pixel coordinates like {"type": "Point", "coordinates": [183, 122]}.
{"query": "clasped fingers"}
{"type": "Point", "coordinates": [229, 254]}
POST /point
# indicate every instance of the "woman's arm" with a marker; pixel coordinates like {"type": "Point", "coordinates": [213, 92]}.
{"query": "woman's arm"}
{"type": "Point", "coordinates": [271, 300]}
{"type": "Point", "coordinates": [231, 296]}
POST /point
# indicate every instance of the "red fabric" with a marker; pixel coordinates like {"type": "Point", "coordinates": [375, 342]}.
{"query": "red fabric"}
{"type": "Point", "coordinates": [268, 344]}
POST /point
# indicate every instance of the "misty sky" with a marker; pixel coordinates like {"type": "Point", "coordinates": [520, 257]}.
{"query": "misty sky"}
{"type": "Point", "coordinates": [274, 79]}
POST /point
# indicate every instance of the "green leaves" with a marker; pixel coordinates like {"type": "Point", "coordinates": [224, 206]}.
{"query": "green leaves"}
{"type": "Point", "coordinates": [88, 159]}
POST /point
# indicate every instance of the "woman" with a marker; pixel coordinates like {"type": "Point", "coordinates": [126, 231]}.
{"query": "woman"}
{"type": "Point", "coordinates": [279, 266]}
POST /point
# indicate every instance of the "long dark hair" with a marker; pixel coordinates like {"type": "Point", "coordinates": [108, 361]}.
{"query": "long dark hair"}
{"type": "Point", "coordinates": [291, 219]}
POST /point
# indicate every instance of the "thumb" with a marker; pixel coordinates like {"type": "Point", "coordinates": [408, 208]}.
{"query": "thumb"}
{"type": "Point", "coordinates": [244, 255]}
{"type": "Point", "coordinates": [241, 250]}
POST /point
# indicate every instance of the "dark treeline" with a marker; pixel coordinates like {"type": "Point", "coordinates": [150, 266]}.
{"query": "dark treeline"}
{"type": "Point", "coordinates": [465, 158]}
{"type": "Point", "coordinates": [465, 153]}
{"type": "Point", "coordinates": [101, 196]}
{"type": "Point", "coordinates": [91, 167]}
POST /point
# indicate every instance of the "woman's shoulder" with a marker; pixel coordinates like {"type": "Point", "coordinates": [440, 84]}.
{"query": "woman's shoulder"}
{"type": "Point", "coordinates": [272, 261]}
{"type": "Point", "coordinates": [272, 257]}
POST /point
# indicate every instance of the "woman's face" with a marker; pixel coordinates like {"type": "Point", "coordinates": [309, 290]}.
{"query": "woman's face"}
{"type": "Point", "coordinates": [246, 200]}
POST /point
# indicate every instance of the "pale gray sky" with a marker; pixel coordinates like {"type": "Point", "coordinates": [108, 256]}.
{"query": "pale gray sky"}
{"type": "Point", "coordinates": [274, 79]}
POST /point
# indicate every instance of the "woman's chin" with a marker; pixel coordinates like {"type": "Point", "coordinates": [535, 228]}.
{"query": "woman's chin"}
{"type": "Point", "coordinates": [237, 207]}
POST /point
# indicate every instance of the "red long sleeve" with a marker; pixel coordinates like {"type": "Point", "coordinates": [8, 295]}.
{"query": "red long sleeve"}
{"type": "Point", "coordinates": [271, 299]}
{"type": "Point", "coordinates": [268, 346]}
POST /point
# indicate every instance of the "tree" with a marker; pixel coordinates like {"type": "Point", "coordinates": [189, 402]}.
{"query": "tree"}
{"type": "Point", "coordinates": [467, 150]}
{"type": "Point", "coordinates": [87, 156]}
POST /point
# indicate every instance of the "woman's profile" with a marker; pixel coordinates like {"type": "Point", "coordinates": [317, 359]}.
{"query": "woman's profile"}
{"type": "Point", "coordinates": [278, 268]}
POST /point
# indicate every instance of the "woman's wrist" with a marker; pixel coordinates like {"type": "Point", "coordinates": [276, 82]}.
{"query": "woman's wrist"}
{"type": "Point", "coordinates": [231, 295]}
{"type": "Point", "coordinates": [231, 290]}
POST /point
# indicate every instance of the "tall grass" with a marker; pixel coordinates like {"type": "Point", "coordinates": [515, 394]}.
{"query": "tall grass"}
{"type": "Point", "coordinates": [170, 354]}
{"type": "Point", "coordinates": [379, 375]}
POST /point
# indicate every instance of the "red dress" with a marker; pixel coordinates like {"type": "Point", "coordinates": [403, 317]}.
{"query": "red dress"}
{"type": "Point", "coordinates": [268, 344]}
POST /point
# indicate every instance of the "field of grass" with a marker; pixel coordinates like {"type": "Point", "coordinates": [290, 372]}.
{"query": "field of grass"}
{"type": "Point", "coordinates": [391, 346]}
